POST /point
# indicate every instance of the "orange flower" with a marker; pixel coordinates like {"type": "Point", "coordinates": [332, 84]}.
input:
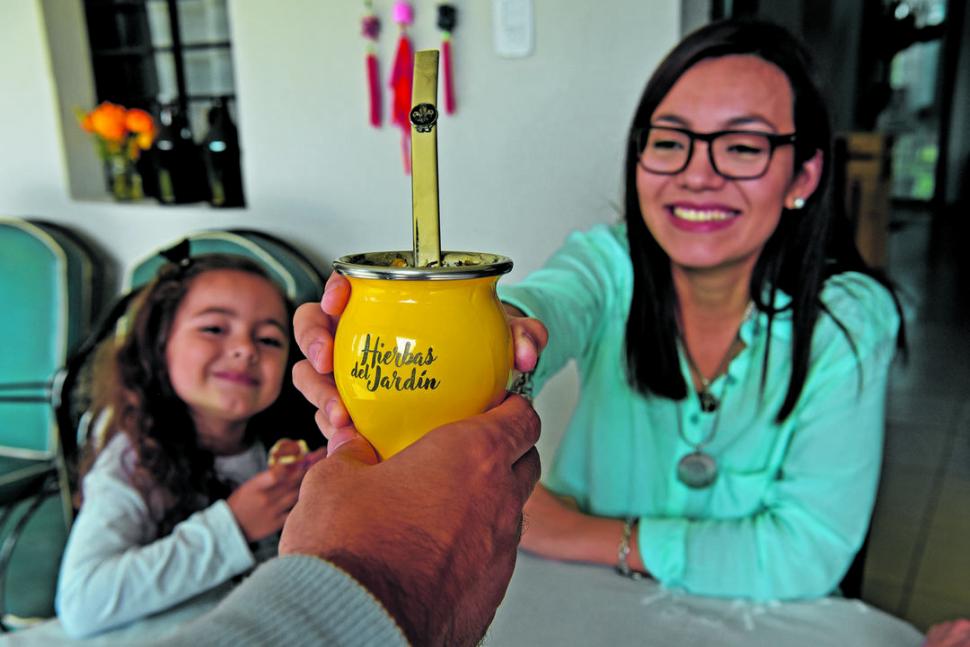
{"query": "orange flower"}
{"type": "Point", "coordinates": [144, 140]}
{"type": "Point", "coordinates": [108, 121]}
{"type": "Point", "coordinates": [117, 130]}
{"type": "Point", "coordinates": [142, 125]}
{"type": "Point", "coordinates": [139, 121]}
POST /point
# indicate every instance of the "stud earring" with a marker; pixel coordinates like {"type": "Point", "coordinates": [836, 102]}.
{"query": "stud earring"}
{"type": "Point", "coordinates": [798, 203]}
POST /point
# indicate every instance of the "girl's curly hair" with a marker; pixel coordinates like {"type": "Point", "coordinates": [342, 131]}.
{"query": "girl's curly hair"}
{"type": "Point", "coordinates": [175, 475]}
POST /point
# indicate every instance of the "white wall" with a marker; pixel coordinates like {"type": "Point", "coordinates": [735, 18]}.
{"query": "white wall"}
{"type": "Point", "coordinates": [534, 150]}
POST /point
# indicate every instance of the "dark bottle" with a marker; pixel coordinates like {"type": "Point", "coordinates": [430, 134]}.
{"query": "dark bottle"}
{"type": "Point", "coordinates": [178, 160]}
{"type": "Point", "coordinates": [147, 163]}
{"type": "Point", "coordinates": [220, 149]}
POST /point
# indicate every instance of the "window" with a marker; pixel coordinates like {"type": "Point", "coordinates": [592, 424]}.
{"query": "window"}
{"type": "Point", "coordinates": [152, 53]}
{"type": "Point", "coordinates": [173, 58]}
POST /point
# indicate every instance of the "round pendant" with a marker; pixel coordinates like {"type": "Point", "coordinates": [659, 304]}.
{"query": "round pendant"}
{"type": "Point", "coordinates": [708, 401]}
{"type": "Point", "coordinates": [697, 470]}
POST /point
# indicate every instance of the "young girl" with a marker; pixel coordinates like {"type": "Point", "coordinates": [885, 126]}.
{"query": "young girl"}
{"type": "Point", "coordinates": [179, 499]}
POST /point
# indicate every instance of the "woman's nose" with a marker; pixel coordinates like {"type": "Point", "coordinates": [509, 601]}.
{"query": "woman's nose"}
{"type": "Point", "coordinates": [699, 173]}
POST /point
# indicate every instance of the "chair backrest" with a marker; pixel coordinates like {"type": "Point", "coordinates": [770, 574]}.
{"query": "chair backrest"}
{"type": "Point", "coordinates": [48, 280]}
{"type": "Point", "coordinates": [300, 280]}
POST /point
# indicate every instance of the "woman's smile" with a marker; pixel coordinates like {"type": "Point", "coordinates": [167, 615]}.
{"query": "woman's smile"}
{"type": "Point", "coordinates": [696, 217]}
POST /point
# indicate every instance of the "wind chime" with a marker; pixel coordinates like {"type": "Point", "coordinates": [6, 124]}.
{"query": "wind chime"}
{"type": "Point", "coordinates": [402, 69]}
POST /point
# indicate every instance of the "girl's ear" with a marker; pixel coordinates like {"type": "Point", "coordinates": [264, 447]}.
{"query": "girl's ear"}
{"type": "Point", "coordinates": [805, 182]}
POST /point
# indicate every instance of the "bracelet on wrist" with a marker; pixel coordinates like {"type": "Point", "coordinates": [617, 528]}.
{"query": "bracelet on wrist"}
{"type": "Point", "coordinates": [623, 551]}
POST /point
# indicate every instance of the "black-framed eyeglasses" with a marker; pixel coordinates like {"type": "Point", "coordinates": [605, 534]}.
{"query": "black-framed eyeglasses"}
{"type": "Point", "coordinates": [734, 154]}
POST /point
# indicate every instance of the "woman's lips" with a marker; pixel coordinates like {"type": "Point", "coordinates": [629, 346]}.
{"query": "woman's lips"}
{"type": "Point", "coordinates": [701, 218]}
{"type": "Point", "coordinates": [237, 378]}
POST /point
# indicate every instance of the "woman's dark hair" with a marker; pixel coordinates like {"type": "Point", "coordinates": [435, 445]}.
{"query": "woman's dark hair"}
{"type": "Point", "coordinates": [807, 247]}
{"type": "Point", "coordinates": [174, 474]}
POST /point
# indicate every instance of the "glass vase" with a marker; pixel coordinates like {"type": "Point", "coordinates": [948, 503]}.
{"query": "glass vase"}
{"type": "Point", "coordinates": [123, 180]}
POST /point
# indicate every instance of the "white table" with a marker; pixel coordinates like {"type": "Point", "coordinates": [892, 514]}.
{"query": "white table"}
{"type": "Point", "coordinates": [553, 603]}
{"type": "Point", "coordinates": [563, 605]}
{"type": "Point", "coordinates": [154, 627]}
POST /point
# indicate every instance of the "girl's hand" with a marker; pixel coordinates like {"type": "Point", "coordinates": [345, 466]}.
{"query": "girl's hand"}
{"type": "Point", "coordinates": [307, 461]}
{"type": "Point", "coordinates": [260, 505]}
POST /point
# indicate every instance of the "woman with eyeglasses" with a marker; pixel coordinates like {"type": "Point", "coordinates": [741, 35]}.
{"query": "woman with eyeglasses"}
{"type": "Point", "coordinates": [733, 348]}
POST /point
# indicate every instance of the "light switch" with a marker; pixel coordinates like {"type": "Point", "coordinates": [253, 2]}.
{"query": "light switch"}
{"type": "Point", "coordinates": [513, 28]}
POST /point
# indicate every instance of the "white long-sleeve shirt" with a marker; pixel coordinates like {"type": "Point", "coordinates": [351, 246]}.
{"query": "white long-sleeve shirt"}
{"type": "Point", "coordinates": [116, 569]}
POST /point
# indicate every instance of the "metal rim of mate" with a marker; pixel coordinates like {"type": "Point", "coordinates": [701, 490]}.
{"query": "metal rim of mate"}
{"type": "Point", "coordinates": [455, 265]}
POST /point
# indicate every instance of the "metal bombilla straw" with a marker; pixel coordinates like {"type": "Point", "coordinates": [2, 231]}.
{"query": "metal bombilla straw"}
{"type": "Point", "coordinates": [424, 160]}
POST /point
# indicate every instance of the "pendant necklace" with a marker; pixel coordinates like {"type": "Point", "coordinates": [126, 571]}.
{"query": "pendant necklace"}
{"type": "Point", "coordinates": [698, 469]}
{"type": "Point", "coordinates": [709, 403]}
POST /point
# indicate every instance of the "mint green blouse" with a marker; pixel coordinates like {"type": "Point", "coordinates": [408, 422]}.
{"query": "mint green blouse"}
{"type": "Point", "coordinates": [792, 501]}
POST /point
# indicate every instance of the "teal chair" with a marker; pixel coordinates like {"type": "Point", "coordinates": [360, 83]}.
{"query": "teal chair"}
{"type": "Point", "coordinates": [298, 277]}
{"type": "Point", "coordinates": [49, 282]}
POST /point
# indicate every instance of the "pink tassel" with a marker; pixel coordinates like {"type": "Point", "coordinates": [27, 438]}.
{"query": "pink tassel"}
{"type": "Point", "coordinates": [449, 83]}
{"type": "Point", "coordinates": [374, 87]}
{"type": "Point", "coordinates": [402, 76]}
{"type": "Point", "coordinates": [371, 28]}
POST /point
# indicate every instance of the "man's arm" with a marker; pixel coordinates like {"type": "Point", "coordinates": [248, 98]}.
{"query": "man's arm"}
{"type": "Point", "coordinates": [293, 601]}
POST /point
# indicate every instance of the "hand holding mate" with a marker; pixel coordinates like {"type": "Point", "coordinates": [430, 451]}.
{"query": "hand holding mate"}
{"type": "Point", "coordinates": [432, 532]}
{"type": "Point", "coordinates": [315, 328]}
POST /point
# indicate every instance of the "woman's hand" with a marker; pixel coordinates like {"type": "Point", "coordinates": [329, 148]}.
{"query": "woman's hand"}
{"type": "Point", "coordinates": [551, 524]}
{"type": "Point", "coordinates": [529, 337]}
{"type": "Point", "coordinates": [314, 327]}
{"type": "Point", "coordinates": [555, 528]}
{"type": "Point", "coordinates": [260, 505]}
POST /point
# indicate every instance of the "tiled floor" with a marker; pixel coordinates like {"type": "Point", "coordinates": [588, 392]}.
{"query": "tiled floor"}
{"type": "Point", "coordinates": [918, 565]}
